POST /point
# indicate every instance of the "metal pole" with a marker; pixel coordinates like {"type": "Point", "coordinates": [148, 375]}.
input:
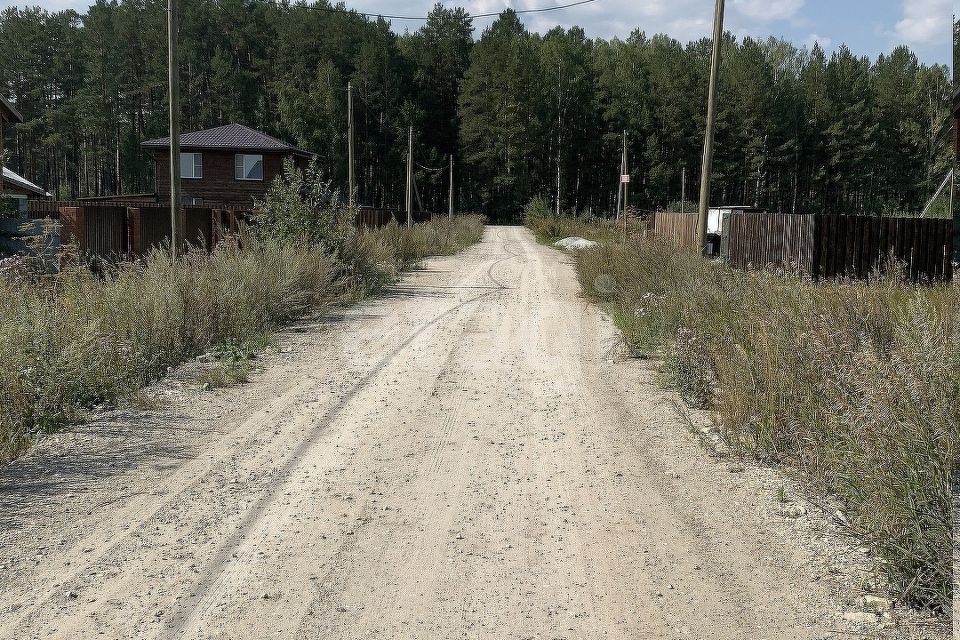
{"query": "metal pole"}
{"type": "Point", "coordinates": [410, 178]}
{"type": "Point", "coordinates": [450, 198]}
{"type": "Point", "coordinates": [351, 181]}
{"type": "Point", "coordinates": [173, 68]}
{"type": "Point", "coordinates": [701, 240]}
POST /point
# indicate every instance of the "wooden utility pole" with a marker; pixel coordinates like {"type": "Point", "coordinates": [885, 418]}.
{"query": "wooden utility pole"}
{"type": "Point", "coordinates": [683, 189]}
{"type": "Point", "coordinates": [625, 179]}
{"type": "Point", "coordinates": [450, 197]}
{"type": "Point", "coordinates": [701, 240]}
{"type": "Point", "coordinates": [3, 159]}
{"type": "Point", "coordinates": [173, 68]}
{"type": "Point", "coordinates": [410, 178]}
{"type": "Point", "coordinates": [350, 177]}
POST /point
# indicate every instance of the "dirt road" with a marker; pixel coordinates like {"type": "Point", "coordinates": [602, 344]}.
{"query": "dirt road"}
{"type": "Point", "coordinates": [457, 460]}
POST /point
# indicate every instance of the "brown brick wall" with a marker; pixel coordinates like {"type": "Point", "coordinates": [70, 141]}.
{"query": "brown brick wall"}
{"type": "Point", "coordinates": [218, 185]}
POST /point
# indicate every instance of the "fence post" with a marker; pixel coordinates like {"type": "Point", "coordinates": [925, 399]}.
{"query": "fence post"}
{"type": "Point", "coordinates": [72, 227]}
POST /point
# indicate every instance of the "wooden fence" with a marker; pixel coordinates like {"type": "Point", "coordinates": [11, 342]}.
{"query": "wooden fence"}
{"type": "Point", "coordinates": [679, 228]}
{"type": "Point", "coordinates": [782, 241]}
{"type": "Point", "coordinates": [855, 246]}
{"type": "Point", "coordinates": [373, 218]}
{"type": "Point", "coordinates": [825, 246]}
{"type": "Point", "coordinates": [99, 230]}
{"type": "Point", "coordinates": [128, 230]}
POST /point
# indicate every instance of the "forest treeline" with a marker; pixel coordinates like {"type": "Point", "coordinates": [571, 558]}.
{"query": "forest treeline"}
{"type": "Point", "coordinates": [523, 114]}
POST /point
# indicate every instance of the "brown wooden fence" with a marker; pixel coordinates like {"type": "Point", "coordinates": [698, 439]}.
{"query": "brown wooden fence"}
{"type": "Point", "coordinates": [96, 230]}
{"type": "Point", "coordinates": [373, 218]}
{"type": "Point", "coordinates": [118, 230]}
{"type": "Point", "coordinates": [855, 246]}
{"type": "Point", "coordinates": [824, 247]}
{"type": "Point", "coordinates": [38, 209]}
{"type": "Point", "coordinates": [781, 241]}
{"type": "Point", "coordinates": [679, 228]}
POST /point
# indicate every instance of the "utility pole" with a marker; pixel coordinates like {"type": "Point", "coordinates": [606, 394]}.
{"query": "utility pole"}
{"type": "Point", "coordinates": [173, 67]}
{"type": "Point", "coordinates": [625, 179]}
{"type": "Point", "coordinates": [621, 187]}
{"type": "Point", "coordinates": [683, 189]}
{"type": "Point", "coordinates": [450, 197]}
{"type": "Point", "coordinates": [410, 178]}
{"type": "Point", "coordinates": [701, 240]}
{"type": "Point", "coordinates": [350, 177]}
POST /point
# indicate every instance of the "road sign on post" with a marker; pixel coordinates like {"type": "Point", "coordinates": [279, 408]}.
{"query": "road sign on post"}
{"type": "Point", "coordinates": [625, 179]}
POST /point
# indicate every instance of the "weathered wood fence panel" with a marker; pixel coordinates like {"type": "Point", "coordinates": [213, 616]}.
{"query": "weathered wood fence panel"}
{"type": "Point", "coordinates": [824, 246]}
{"type": "Point", "coordinates": [130, 230]}
{"type": "Point", "coordinates": [835, 246]}
{"type": "Point", "coordinates": [149, 228]}
{"type": "Point", "coordinates": [759, 240]}
{"type": "Point", "coordinates": [679, 228]}
{"type": "Point", "coordinates": [99, 230]}
{"type": "Point", "coordinates": [857, 246]}
{"type": "Point", "coordinates": [371, 218]}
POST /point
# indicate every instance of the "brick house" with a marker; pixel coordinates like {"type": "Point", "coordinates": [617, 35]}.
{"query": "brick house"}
{"type": "Point", "coordinates": [229, 165]}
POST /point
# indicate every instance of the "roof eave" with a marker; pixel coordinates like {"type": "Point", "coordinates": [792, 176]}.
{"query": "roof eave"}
{"type": "Point", "coordinates": [15, 115]}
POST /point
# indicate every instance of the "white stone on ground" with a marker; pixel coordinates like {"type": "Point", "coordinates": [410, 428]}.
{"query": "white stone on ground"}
{"type": "Point", "coordinates": [575, 243]}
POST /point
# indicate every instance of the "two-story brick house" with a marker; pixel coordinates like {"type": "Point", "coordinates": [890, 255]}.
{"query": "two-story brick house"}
{"type": "Point", "coordinates": [228, 165]}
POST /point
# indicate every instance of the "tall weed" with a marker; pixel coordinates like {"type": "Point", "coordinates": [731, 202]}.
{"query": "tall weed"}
{"type": "Point", "coordinates": [857, 386]}
{"type": "Point", "coordinates": [76, 340]}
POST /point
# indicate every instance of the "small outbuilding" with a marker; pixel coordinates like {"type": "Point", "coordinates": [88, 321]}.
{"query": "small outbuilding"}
{"type": "Point", "coordinates": [229, 165]}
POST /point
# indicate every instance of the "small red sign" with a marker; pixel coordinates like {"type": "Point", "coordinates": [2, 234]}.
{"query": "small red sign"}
{"type": "Point", "coordinates": [625, 178]}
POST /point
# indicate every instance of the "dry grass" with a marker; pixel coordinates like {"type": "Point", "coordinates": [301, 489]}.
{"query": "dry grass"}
{"type": "Point", "coordinates": [77, 341]}
{"type": "Point", "coordinates": [857, 386]}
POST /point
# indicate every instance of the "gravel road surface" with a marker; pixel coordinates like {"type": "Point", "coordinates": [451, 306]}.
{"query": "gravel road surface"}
{"type": "Point", "coordinates": [458, 459]}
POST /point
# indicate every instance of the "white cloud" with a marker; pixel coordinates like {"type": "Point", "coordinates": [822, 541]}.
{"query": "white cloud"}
{"type": "Point", "coordinates": [815, 38]}
{"type": "Point", "coordinates": [924, 22]}
{"type": "Point", "coordinates": [768, 10]}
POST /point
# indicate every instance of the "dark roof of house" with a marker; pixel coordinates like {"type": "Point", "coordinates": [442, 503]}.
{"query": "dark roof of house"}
{"type": "Point", "coordinates": [19, 183]}
{"type": "Point", "coordinates": [9, 111]}
{"type": "Point", "coordinates": [231, 137]}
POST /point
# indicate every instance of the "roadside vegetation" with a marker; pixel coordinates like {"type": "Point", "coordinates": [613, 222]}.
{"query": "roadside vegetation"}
{"type": "Point", "coordinates": [854, 385]}
{"type": "Point", "coordinates": [77, 340]}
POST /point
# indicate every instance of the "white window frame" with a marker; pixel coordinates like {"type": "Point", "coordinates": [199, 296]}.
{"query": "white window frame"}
{"type": "Point", "coordinates": [240, 166]}
{"type": "Point", "coordinates": [195, 162]}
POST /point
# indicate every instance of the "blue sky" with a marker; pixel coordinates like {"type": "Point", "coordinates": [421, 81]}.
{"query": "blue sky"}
{"type": "Point", "coordinates": [866, 26]}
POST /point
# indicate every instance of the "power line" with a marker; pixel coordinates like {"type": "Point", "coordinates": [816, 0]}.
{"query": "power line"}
{"type": "Point", "coordinates": [469, 17]}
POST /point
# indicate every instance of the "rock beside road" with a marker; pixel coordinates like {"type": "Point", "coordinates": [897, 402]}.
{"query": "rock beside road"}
{"type": "Point", "coordinates": [575, 243]}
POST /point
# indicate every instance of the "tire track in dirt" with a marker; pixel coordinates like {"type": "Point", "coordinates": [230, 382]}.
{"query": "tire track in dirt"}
{"type": "Point", "coordinates": [444, 463]}
{"type": "Point", "coordinates": [215, 578]}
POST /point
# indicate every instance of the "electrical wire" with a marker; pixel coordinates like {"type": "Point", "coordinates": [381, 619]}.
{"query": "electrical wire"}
{"type": "Point", "coordinates": [469, 17]}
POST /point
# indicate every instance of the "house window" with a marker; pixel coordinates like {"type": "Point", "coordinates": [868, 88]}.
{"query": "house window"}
{"type": "Point", "coordinates": [191, 201]}
{"type": "Point", "coordinates": [191, 165]}
{"type": "Point", "coordinates": [248, 166]}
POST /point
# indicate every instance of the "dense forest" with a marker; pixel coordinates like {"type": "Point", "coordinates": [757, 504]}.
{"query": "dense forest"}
{"type": "Point", "coordinates": [523, 114]}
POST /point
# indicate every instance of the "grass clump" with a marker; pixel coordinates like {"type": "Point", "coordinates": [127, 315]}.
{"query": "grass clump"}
{"type": "Point", "coordinates": [75, 341]}
{"type": "Point", "coordinates": [234, 362]}
{"type": "Point", "coordinates": [855, 385]}
{"type": "Point", "coordinates": [549, 227]}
